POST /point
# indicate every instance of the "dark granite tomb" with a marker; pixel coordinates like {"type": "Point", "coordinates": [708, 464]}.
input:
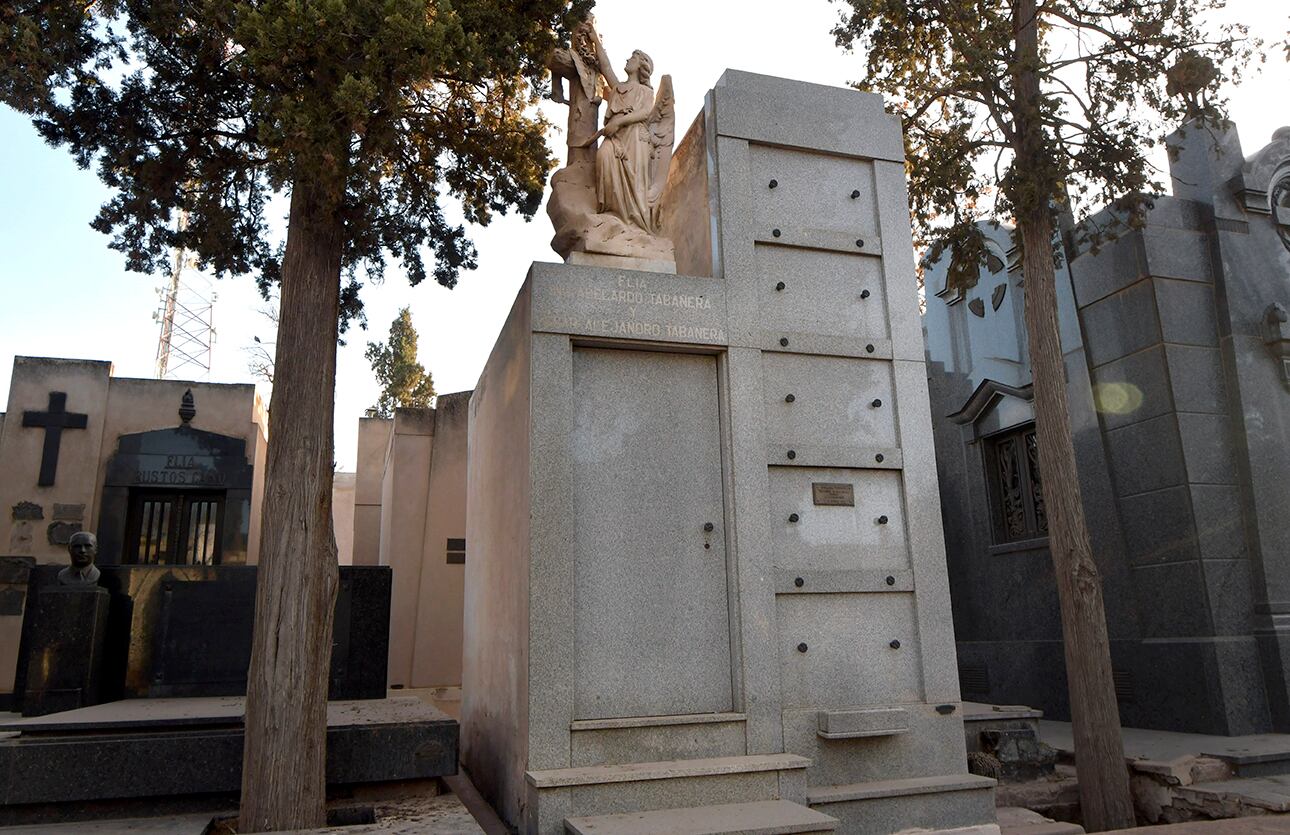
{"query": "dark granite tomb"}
{"type": "Point", "coordinates": [158, 748]}
{"type": "Point", "coordinates": [64, 664]}
{"type": "Point", "coordinates": [185, 630]}
{"type": "Point", "coordinates": [1175, 337]}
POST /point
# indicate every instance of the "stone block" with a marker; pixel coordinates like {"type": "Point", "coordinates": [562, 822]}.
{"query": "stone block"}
{"type": "Point", "coordinates": [1132, 388]}
{"type": "Point", "coordinates": [1030, 672]}
{"type": "Point", "coordinates": [1208, 448]}
{"type": "Point", "coordinates": [66, 649]}
{"type": "Point", "coordinates": [1017, 597]}
{"type": "Point", "coordinates": [870, 534]}
{"type": "Point", "coordinates": [1183, 611]}
{"type": "Point", "coordinates": [1186, 311]}
{"type": "Point", "coordinates": [1172, 212]}
{"type": "Point", "coordinates": [1239, 674]}
{"type": "Point", "coordinates": [866, 722]}
{"type": "Point", "coordinates": [1227, 585]}
{"type": "Point", "coordinates": [768, 817]}
{"type": "Point", "coordinates": [849, 402]}
{"type": "Point", "coordinates": [1146, 456]}
{"type": "Point", "coordinates": [1115, 266]}
{"type": "Point", "coordinates": [1177, 253]}
{"type": "Point", "coordinates": [832, 120]}
{"type": "Point", "coordinates": [1220, 533]}
{"type": "Point", "coordinates": [1197, 379]}
{"type": "Point", "coordinates": [827, 293]}
{"type": "Point", "coordinates": [1121, 324]}
{"type": "Point", "coordinates": [927, 747]}
{"type": "Point", "coordinates": [881, 810]}
{"type": "Point", "coordinates": [371, 741]}
{"type": "Point", "coordinates": [656, 742]}
{"type": "Point", "coordinates": [837, 650]}
{"type": "Point", "coordinates": [797, 199]}
{"type": "Point", "coordinates": [1158, 527]}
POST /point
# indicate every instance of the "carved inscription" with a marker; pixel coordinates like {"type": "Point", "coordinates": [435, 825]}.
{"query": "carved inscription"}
{"type": "Point", "coordinates": [633, 296]}
{"type": "Point", "coordinates": [833, 495]}
{"type": "Point", "coordinates": [191, 470]}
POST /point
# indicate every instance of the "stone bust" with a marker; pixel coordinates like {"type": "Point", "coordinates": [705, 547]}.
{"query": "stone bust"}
{"type": "Point", "coordinates": [82, 548]}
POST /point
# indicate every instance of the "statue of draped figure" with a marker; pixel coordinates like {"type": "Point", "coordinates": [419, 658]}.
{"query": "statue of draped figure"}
{"type": "Point", "coordinates": [605, 201]}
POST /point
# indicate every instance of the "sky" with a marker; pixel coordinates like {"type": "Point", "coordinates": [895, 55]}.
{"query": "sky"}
{"type": "Point", "coordinates": [64, 293]}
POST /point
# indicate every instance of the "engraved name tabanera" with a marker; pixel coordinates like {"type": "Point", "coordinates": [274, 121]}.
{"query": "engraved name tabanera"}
{"type": "Point", "coordinates": [632, 290]}
{"type": "Point", "coordinates": [626, 327]}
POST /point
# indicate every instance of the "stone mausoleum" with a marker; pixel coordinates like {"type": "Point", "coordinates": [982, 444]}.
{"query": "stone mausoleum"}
{"type": "Point", "coordinates": [146, 662]}
{"type": "Point", "coordinates": [706, 578]}
{"type": "Point", "coordinates": [164, 472]}
{"type": "Point", "coordinates": [409, 512]}
{"type": "Point", "coordinates": [170, 473]}
{"type": "Point", "coordinates": [1177, 351]}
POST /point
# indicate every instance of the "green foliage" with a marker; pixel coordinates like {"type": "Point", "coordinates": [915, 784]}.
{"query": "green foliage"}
{"type": "Point", "coordinates": [1112, 74]}
{"type": "Point", "coordinates": [404, 381]}
{"type": "Point", "coordinates": [213, 106]}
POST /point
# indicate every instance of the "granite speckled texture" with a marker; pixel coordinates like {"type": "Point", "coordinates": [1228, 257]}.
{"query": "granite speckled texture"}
{"type": "Point", "coordinates": [1180, 411]}
{"type": "Point", "coordinates": [635, 462]}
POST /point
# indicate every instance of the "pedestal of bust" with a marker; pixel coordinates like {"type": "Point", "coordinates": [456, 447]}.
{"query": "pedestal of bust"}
{"type": "Point", "coordinates": [65, 660]}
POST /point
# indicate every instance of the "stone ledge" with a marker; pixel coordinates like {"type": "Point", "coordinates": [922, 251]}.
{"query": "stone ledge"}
{"type": "Point", "coordinates": [656, 721]}
{"type": "Point", "coordinates": [769, 817]}
{"type": "Point", "coordinates": [666, 770]}
{"type": "Point", "coordinates": [367, 742]}
{"type": "Point", "coordinates": [898, 788]}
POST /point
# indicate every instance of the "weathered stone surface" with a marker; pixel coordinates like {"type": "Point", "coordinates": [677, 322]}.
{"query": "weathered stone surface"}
{"type": "Point", "coordinates": [644, 496]}
{"type": "Point", "coordinates": [1179, 415]}
{"type": "Point", "coordinates": [197, 749]}
{"type": "Point", "coordinates": [771, 817]}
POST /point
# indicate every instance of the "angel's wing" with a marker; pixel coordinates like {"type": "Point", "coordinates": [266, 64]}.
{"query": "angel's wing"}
{"type": "Point", "coordinates": [662, 133]}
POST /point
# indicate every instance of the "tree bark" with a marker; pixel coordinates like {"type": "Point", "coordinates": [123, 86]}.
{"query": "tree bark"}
{"type": "Point", "coordinates": [284, 760]}
{"type": "Point", "coordinates": [1105, 799]}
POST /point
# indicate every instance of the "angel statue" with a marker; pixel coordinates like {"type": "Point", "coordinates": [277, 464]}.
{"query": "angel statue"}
{"type": "Point", "coordinates": [606, 200]}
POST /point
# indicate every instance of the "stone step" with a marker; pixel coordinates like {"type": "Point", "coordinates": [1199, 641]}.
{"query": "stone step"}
{"type": "Point", "coordinates": [666, 770]}
{"type": "Point", "coordinates": [897, 788]}
{"type": "Point", "coordinates": [1017, 821]}
{"type": "Point", "coordinates": [770, 817]}
{"type": "Point", "coordinates": [1273, 762]}
{"type": "Point", "coordinates": [961, 803]}
{"type": "Point", "coordinates": [1049, 828]}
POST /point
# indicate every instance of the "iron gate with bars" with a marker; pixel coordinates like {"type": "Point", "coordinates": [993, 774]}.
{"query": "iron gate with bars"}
{"type": "Point", "coordinates": [175, 527]}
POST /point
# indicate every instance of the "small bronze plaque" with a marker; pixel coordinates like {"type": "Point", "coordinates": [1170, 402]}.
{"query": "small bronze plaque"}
{"type": "Point", "coordinates": [835, 495]}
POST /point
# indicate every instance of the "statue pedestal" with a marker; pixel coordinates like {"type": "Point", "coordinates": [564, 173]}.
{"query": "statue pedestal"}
{"type": "Point", "coordinates": [621, 262]}
{"type": "Point", "coordinates": [65, 662]}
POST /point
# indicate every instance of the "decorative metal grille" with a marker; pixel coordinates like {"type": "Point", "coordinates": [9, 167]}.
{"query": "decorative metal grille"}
{"type": "Point", "coordinates": [974, 679]}
{"type": "Point", "coordinates": [174, 528]}
{"type": "Point", "coordinates": [1016, 492]}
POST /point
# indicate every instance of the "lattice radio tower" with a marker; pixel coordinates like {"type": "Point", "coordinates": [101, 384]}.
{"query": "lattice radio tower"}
{"type": "Point", "coordinates": [187, 316]}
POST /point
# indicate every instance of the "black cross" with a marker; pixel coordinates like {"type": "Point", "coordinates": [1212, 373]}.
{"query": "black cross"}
{"type": "Point", "coordinates": [53, 422]}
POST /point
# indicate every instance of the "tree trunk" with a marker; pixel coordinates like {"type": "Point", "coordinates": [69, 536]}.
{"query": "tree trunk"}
{"type": "Point", "coordinates": [284, 761]}
{"type": "Point", "coordinates": [1105, 801]}
{"type": "Point", "coordinates": [1095, 717]}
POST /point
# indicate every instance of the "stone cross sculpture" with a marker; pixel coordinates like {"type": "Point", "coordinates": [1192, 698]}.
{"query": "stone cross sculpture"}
{"type": "Point", "coordinates": [82, 548]}
{"type": "Point", "coordinates": [605, 201]}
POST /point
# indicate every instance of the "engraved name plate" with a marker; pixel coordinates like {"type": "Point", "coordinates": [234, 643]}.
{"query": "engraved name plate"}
{"type": "Point", "coordinates": [834, 495]}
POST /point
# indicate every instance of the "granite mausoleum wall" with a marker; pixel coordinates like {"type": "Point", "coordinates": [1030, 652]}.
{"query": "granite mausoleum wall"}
{"type": "Point", "coordinates": [1181, 412]}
